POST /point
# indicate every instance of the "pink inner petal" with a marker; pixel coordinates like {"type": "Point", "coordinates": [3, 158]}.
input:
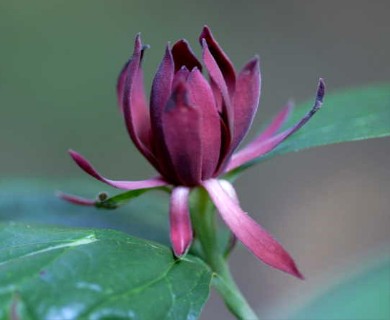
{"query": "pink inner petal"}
{"type": "Point", "coordinates": [179, 216]}
{"type": "Point", "coordinates": [251, 234]}
{"type": "Point", "coordinates": [125, 185]}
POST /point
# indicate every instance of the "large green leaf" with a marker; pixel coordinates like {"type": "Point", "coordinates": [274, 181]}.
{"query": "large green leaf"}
{"type": "Point", "coordinates": [355, 114]}
{"type": "Point", "coordinates": [60, 273]}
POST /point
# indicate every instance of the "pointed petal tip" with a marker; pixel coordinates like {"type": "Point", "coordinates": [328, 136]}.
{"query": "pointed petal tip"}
{"type": "Point", "coordinates": [181, 252]}
{"type": "Point", "coordinates": [137, 42]}
{"type": "Point", "coordinates": [73, 154]}
{"type": "Point", "coordinates": [206, 32]}
{"type": "Point", "coordinates": [320, 90]}
{"type": "Point", "coordinates": [252, 64]}
{"type": "Point", "coordinates": [293, 270]}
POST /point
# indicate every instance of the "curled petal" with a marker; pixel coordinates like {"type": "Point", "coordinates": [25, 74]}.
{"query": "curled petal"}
{"type": "Point", "coordinates": [179, 216]}
{"type": "Point", "coordinates": [246, 100]}
{"type": "Point", "coordinates": [201, 97]}
{"type": "Point", "coordinates": [222, 60]}
{"type": "Point", "coordinates": [76, 199]}
{"type": "Point", "coordinates": [260, 146]}
{"type": "Point", "coordinates": [132, 101]}
{"type": "Point", "coordinates": [183, 56]}
{"type": "Point", "coordinates": [125, 185]}
{"type": "Point", "coordinates": [251, 234]}
{"type": "Point", "coordinates": [182, 136]}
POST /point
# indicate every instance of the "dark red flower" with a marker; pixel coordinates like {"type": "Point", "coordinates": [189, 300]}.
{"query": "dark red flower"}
{"type": "Point", "coordinates": [189, 134]}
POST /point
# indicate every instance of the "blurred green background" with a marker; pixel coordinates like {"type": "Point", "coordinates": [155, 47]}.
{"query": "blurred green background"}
{"type": "Point", "coordinates": [330, 206]}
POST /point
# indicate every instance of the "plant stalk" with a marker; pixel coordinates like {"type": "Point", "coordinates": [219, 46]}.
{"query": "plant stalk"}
{"type": "Point", "coordinates": [206, 231]}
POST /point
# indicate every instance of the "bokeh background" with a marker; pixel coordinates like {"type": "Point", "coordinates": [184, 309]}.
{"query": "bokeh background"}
{"type": "Point", "coordinates": [329, 206]}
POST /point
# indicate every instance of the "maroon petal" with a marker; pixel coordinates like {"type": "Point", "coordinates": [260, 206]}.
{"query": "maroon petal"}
{"type": "Point", "coordinates": [220, 57]}
{"type": "Point", "coordinates": [251, 234]}
{"type": "Point", "coordinates": [180, 76]}
{"type": "Point", "coordinates": [76, 199]}
{"type": "Point", "coordinates": [246, 100]}
{"type": "Point", "coordinates": [218, 81]}
{"type": "Point", "coordinates": [183, 56]}
{"type": "Point", "coordinates": [131, 98]}
{"type": "Point", "coordinates": [161, 89]}
{"type": "Point", "coordinates": [181, 128]}
{"type": "Point", "coordinates": [261, 147]}
{"type": "Point", "coordinates": [201, 97]}
{"type": "Point", "coordinates": [125, 185]}
{"type": "Point", "coordinates": [180, 221]}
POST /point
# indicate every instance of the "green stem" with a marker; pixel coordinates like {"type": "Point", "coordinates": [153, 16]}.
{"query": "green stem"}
{"type": "Point", "coordinates": [206, 231]}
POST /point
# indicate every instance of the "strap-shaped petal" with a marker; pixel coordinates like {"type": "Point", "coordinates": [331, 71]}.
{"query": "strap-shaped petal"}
{"type": "Point", "coordinates": [132, 101]}
{"type": "Point", "coordinates": [246, 100]}
{"type": "Point", "coordinates": [125, 185]}
{"type": "Point", "coordinates": [260, 146]}
{"type": "Point", "coordinates": [264, 136]}
{"type": "Point", "coordinates": [180, 221]}
{"type": "Point", "coordinates": [275, 124]}
{"type": "Point", "coordinates": [183, 56]}
{"type": "Point", "coordinates": [201, 97]}
{"type": "Point", "coordinates": [251, 234]}
{"type": "Point", "coordinates": [182, 136]}
{"type": "Point", "coordinates": [222, 60]}
{"type": "Point", "coordinates": [76, 199]}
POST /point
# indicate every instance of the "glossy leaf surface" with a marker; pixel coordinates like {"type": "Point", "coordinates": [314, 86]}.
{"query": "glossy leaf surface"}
{"type": "Point", "coordinates": [66, 273]}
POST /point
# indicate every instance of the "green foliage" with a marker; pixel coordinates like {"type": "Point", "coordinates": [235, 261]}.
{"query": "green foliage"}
{"type": "Point", "coordinates": [64, 273]}
{"type": "Point", "coordinates": [360, 297]}
{"type": "Point", "coordinates": [355, 114]}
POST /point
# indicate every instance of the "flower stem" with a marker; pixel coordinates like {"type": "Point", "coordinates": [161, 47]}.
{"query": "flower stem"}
{"type": "Point", "coordinates": [206, 231]}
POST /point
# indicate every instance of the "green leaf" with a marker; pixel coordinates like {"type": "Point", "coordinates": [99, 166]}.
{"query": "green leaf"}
{"type": "Point", "coordinates": [363, 296]}
{"type": "Point", "coordinates": [34, 201]}
{"type": "Point", "coordinates": [351, 115]}
{"type": "Point", "coordinates": [63, 273]}
{"type": "Point", "coordinates": [123, 198]}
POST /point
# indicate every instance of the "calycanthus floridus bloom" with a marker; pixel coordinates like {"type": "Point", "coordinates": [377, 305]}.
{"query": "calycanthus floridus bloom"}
{"type": "Point", "coordinates": [189, 135]}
